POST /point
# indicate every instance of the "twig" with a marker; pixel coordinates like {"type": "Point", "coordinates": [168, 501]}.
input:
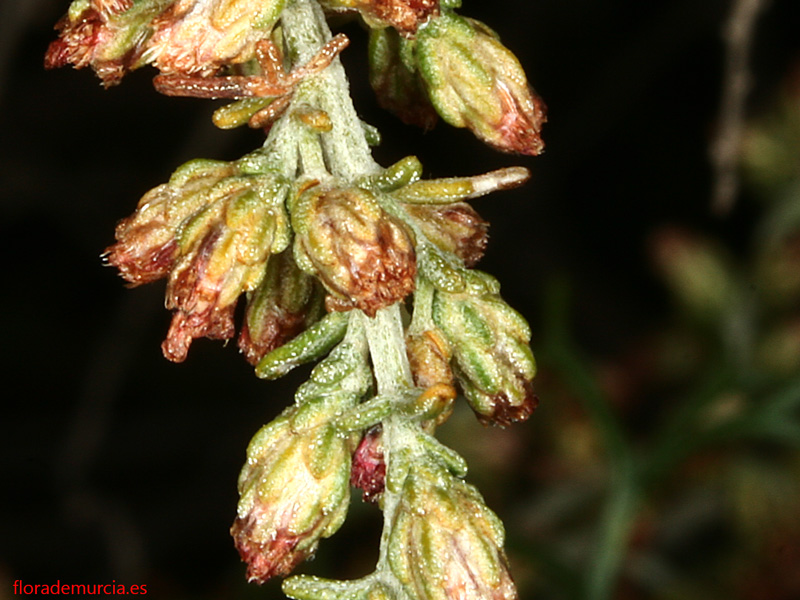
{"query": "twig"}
{"type": "Point", "coordinates": [738, 35]}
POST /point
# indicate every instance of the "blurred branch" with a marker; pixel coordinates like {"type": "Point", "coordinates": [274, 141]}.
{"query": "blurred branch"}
{"type": "Point", "coordinates": [737, 79]}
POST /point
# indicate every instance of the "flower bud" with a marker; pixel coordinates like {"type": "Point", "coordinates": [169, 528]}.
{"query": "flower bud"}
{"type": "Point", "coordinates": [494, 364]}
{"type": "Point", "coordinates": [108, 35]}
{"type": "Point", "coordinates": [224, 250]}
{"type": "Point", "coordinates": [146, 241]}
{"type": "Point", "coordinates": [369, 466]}
{"type": "Point", "coordinates": [294, 490]}
{"type": "Point", "coordinates": [395, 80]}
{"type": "Point", "coordinates": [429, 358]}
{"type": "Point", "coordinates": [199, 36]}
{"type": "Point", "coordinates": [210, 230]}
{"type": "Point", "coordinates": [362, 255]}
{"type": "Point", "coordinates": [474, 81]}
{"type": "Point", "coordinates": [697, 272]}
{"type": "Point", "coordinates": [445, 543]}
{"type": "Point", "coordinates": [406, 16]}
{"type": "Point", "coordinates": [284, 304]}
{"type": "Point", "coordinates": [455, 228]}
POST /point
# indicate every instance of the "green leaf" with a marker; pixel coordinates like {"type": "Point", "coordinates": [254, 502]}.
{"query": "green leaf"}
{"type": "Point", "coordinates": [314, 342]}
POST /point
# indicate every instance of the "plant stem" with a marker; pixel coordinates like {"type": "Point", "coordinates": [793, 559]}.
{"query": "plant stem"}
{"type": "Point", "coordinates": [343, 153]}
{"type": "Point", "coordinates": [386, 340]}
{"type": "Point", "coordinates": [345, 148]}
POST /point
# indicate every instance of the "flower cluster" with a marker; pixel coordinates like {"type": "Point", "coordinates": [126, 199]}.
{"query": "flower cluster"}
{"type": "Point", "coordinates": [367, 268]}
{"type": "Point", "coordinates": [210, 231]}
{"type": "Point", "coordinates": [183, 36]}
{"type": "Point", "coordinates": [424, 58]}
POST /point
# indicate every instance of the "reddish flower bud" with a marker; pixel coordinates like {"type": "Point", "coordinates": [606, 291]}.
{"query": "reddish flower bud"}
{"type": "Point", "coordinates": [146, 246]}
{"type": "Point", "coordinates": [108, 35]}
{"type": "Point", "coordinates": [362, 255]}
{"type": "Point", "coordinates": [203, 290]}
{"type": "Point", "coordinates": [494, 364]}
{"type": "Point", "coordinates": [369, 466]}
{"type": "Point", "coordinates": [210, 230]}
{"type": "Point", "coordinates": [476, 82]}
{"type": "Point", "coordinates": [224, 253]}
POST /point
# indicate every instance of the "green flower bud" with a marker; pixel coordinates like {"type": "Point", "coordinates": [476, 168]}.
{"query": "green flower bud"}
{"type": "Point", "coordinates": [285, 303]}
{"type": "Point", "coordinates": [395, 80]}
{"type": "Point", "coordinates": [494, 364]}
{"type": "Point", "coordinates": [294, 490]}
{"type": "Point", "coordinates": [445, 543]}
{"type": "Point", "coordinates": [108, 35]}
{"type": "Point", "coordinates": [697, 272]}
{"type": "Point", "coordinates": [474, 81]}
{"type": "Point", "coordinates": [362, 255]}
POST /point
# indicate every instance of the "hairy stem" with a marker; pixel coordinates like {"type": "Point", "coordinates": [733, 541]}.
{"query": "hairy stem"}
{"type": "Point", "coordinates": [345, 148]}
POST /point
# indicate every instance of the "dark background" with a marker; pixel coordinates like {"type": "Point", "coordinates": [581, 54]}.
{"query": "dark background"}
{"type": "Point", "coordinates": [118, 465]}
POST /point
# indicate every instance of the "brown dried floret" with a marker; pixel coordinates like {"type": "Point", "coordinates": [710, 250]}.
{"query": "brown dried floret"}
{"type": "Point", "coordinates": [456, 228]}
{"type": "Point", "coordinates": [362, 255]}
